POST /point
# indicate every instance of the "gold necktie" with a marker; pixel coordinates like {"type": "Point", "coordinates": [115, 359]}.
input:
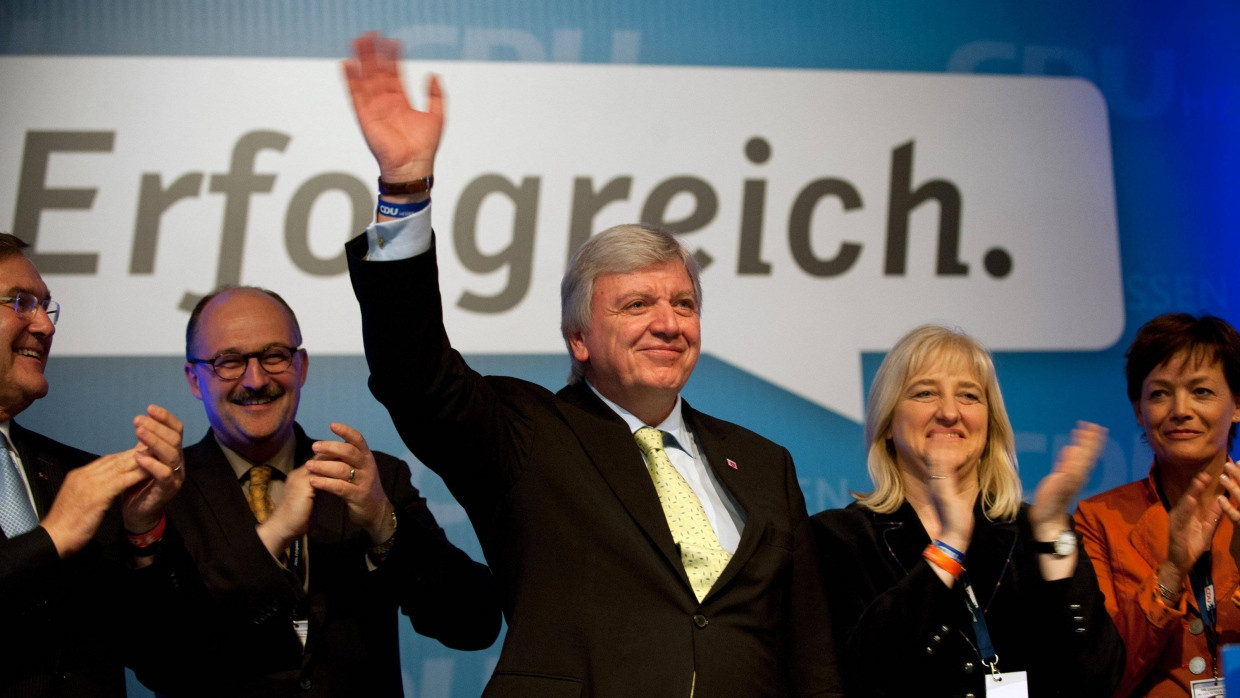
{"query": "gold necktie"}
{"type": "Point", "coordinates": [700, 552]}
{"type": "Point", "coordinates": [260, 497]}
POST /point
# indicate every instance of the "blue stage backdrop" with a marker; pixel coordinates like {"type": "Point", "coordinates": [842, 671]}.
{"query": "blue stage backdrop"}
{"type": "Point", "coordinates": [1047, 175]}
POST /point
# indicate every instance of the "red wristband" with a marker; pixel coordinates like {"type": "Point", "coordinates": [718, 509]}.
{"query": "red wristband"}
{"type": "Point", "coordinates": [943, 561]}
{"type": "Point", "coordinates": [151, 537]}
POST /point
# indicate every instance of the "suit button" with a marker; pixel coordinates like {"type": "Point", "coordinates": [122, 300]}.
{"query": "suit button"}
{"type": "Point", "coordinates": [700, 621]}
{"type": "Point", "coordinates": [968, 667]}
{"type": "Point", "coordinates": [937, 639]}
{"type": "Point", "coordinates": [305, 684]}
{"type": "Point", "coordinates": [969, 695]}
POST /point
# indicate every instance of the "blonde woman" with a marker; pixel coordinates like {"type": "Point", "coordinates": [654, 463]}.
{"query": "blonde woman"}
{"type": "Point", "coordinates": [941, 581]}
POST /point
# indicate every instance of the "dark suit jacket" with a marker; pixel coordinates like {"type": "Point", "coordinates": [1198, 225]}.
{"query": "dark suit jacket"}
{"type": "Point", "coordinates": [902, 632]}
{"type": "Point", "coordinates": [235, 604]}
{"type": "Point", "coordinates": [59, 629]}
{"type": "Point", "coordinates": [596, 597]}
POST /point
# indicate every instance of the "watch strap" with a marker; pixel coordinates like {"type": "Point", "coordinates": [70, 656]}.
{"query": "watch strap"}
{"type": "Point", "coordinates": [1066, 538]}
{"type": "Point", "coordinates": [416, 186]}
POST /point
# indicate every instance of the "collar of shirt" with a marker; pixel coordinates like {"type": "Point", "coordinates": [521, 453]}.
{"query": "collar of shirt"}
{"type": "Point", "coordinates": [5, 427]}
{"type": "Point", "coordinates": [241, 465]}
{"type": "Point", "coordinates": [725, 514]}
{"type": "Point", "coordinates": [673, 425]}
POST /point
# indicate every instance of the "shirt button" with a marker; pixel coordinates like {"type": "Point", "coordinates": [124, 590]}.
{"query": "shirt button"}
{"type": "Point", "coordinates": [700, 621]}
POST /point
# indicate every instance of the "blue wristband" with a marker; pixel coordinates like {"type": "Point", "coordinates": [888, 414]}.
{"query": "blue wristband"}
{"type": "Point", "coordinates": [951, 552]}
{"type": "Point", "coordinates": [392, 210]}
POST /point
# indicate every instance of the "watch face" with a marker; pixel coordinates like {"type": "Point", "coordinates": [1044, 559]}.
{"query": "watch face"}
{"type": "Point", "coordinates": [1065, 544]}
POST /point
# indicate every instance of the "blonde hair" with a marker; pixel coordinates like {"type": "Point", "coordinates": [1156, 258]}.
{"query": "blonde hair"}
{"type": "Point", "coordinates": [921, 348]}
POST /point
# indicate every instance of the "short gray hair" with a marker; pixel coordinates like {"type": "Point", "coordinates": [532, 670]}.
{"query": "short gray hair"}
{"type": "Point", "coordinates": [618, 250]}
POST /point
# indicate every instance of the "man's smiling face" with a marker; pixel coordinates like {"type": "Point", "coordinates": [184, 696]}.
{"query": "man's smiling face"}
{"type": "Point", "coordinates": [253, 414]}
{"type": "Point", "coordinates": [27, 340]}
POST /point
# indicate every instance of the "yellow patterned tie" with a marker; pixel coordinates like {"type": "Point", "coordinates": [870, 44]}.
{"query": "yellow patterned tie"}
{"type": "Point", "coordinates": [260, 497]}
{"type": "Point", "coordinates": [700, 552]}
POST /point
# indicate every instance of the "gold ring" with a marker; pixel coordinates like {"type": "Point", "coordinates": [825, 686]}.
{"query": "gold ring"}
{"type": "Point", "coordinates": [176, 469]}
{"type": "Point", "coordinates": [352, 472]}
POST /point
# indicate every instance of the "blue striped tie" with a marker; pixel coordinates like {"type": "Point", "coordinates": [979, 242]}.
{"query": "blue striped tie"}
{"type": "Point", "coordinates": [16, 514]}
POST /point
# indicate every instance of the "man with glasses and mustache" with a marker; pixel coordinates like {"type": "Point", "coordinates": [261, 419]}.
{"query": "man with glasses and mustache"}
{"type": "Point", "coordinates": [64, 580]}
{"type": "Point", "coordinates": [293, 556]}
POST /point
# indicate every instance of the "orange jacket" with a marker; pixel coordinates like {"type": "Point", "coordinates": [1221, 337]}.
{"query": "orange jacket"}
{"type": "Point", "coordinates": [1125, 533]}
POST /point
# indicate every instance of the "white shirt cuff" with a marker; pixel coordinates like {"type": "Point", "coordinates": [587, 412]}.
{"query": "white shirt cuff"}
{"type": "Point", "coordinates": [399, 239]}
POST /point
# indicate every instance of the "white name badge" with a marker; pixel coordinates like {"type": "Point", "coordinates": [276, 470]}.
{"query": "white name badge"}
{"type": "Point", "coordinates": [1009, 684]}
{"type": "Point", "coordinates": [1207, 687]}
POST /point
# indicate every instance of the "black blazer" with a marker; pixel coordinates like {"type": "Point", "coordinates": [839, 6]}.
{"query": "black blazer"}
{"type": "Point", "coordinates": [902, 632]}
{"type": "Point", "coordinates": [230, 606]}
{"type": "Point", "coordinates": [61, 631]}
{"type": "Point", "coordinates": [596, 597]}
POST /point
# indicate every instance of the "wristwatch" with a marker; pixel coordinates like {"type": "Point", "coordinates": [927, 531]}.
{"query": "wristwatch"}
{"type": "Point", "coordinates": [1063, 545]}
{"type": "Point", "coordinates": [417, 186]}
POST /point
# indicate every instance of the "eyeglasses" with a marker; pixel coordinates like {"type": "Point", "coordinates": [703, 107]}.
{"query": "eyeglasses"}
{"type": "Point", "coordinates": [26, 305]}
{"type": "Point", "coordinates": [274, 360]}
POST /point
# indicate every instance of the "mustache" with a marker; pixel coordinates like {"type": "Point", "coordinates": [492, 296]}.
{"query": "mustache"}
{"type": "Point", "coordinates": [243, 395]}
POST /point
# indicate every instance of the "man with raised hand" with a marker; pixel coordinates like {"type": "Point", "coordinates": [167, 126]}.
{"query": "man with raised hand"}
{"type": "Point", "coordinates": [642, 548]}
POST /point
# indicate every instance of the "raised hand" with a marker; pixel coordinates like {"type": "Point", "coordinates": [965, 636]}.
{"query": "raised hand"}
{"type": "Point", "coordinates": [159, 454]}
{"type": "Point", "coordinates": [1191, 524]}
{"type": "Point", "coordinates": [347, 469]}
{"type": "Point", "coordinates": [86, 494]}
{"type": "Point", "coordinates": [952, 503]}
{"type": "Point", "coordinates": [291, 518]}
{"type": "Point", "coordinates": [1228, 503]}
{"type": "Point", "coordinates": [402, 139]}
{"type": "Point", "coordinates": [1049, 514]}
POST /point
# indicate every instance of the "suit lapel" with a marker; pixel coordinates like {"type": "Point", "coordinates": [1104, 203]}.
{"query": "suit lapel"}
{"type": "Point", "coordinates": [43, 472]}
{"type": "Point", "coordinates": [990, 548]}
{"type": "Point", "coordinates": [1149, 535]}
{"type": "Point", "coordinates": [990, 552]}
{"type": "Point", "coordinates": [210, 479]}
{"type": "Point", "coordinates": [606, 441]}
{"type": "Point", "coordinates": [735, 482]}
{"type": "Point", "coordinates": [902, 534]}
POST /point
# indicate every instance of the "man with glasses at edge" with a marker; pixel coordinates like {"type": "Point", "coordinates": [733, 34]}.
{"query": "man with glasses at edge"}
{"type": "Point", "coordinates": [63, 560]}
{"type": "Point", "coordinates": [298, 553]}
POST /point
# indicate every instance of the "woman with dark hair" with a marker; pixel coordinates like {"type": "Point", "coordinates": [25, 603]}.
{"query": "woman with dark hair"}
{"type": "Point", "coordinates": [1163, 547]}
{"type": "Point", "coordinates": [941, 581]}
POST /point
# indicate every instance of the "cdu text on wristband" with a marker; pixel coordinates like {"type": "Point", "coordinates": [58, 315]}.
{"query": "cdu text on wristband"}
{"type": "Point", "coordinates": [392, 210]}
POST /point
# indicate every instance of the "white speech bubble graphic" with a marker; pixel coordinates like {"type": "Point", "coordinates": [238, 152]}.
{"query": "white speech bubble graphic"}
{"type": "Point", "coordinates": [797, 184]}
